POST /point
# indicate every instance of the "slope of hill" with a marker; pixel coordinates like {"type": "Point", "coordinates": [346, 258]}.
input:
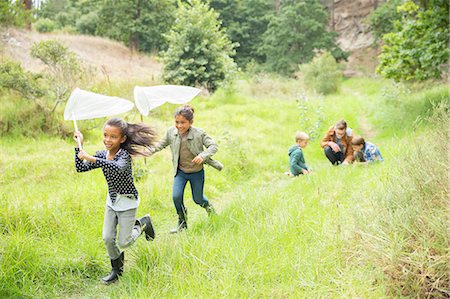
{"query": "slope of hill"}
{"type": "Point", "coordinates": [109, 58]}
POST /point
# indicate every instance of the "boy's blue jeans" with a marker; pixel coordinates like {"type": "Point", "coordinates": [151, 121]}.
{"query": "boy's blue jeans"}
{"type": "Point", "coordinates": [197, 181]}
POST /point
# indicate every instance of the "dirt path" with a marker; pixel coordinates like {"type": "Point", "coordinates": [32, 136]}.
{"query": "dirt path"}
{"type": "Point", "coordinates": [367, 130]}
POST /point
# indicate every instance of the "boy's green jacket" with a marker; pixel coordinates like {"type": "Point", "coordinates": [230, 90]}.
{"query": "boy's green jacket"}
{"type": "Point", "coordinates": [199, 143]}
{"type": "Point", "coordinates": [296, 160]}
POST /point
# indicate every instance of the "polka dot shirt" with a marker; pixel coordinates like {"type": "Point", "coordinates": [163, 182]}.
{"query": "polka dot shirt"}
{"type": "Point", "coordinates": [117, 172]}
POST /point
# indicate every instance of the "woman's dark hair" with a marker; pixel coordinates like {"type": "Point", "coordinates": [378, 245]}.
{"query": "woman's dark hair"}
{"type": "Point", "coordinates": [140, 137]}
{"type": "Point", "coordinates": [187, 111]}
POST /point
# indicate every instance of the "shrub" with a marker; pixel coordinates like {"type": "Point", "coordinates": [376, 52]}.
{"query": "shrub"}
{"type": "Point", "coordinates": [311, 115]}
{"type": "Point", "coordinates": [45, 25]}
{"type": "Point", "coordinates": [383, 18]}
{"type": "Point", "coordinates": [322, 74]}
{"type": "Point", "coordinates": [14, 77]}
{"type": "Point", "coordinates": [64, 71]}
{"type": "Point", "coordinates": [87, 24]}
{"type": "Point", "coordinates": [418, 48]}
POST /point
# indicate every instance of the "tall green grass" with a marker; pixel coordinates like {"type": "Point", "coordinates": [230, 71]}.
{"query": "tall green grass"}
{"type": "Point", "coordinates": [358, 232]}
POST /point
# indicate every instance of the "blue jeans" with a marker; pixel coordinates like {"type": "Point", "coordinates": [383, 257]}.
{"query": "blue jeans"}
{"type": "Point", "coordinates": [197, 181]}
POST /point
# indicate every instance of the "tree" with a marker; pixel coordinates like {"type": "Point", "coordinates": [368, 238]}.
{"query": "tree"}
{"type": "Point", "coordinates": [138, 23]}
{"type": "Point", "coordinates": [382, 19]}
{"type": "Point", "coordinates": [65, 70]}
{"type": "Point", "coordinates": [14, 13]}
{"type": "Point", "coordinates": [295, 33]}
{"type": "Point", "coordinates": [199, 50]}
{"type": "Point", "coordinates": [245, 22]}
{"type": "Point", "coordinates": [418, 47]}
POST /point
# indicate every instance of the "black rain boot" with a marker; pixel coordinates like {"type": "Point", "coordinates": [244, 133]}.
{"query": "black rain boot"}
{"type": "Point", "coordinates": [116, 271]}
{"type": "Point", "coordinates": [146, 226]}
{"type": "Point", "coordinates": [182, 224]}
{"type": "Point", "coordinates": [209, 209]}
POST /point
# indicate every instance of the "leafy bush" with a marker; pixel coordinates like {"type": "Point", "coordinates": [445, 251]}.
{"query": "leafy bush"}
{"type": "Point", "coordinates": [65, 18]}
{"type": "Point", "coordinates": [295, 33]}
{"type": "Point", "coordinates": [383, 18]}
{"type": "Point", "coordinates": [87, 24]}
{"type": "Point", "coordinates": [311, 115]}
{"type": "Point", "coordinates": [199, 50]}
{"type": "Point", "coordinates": [13, 13]}
{"type": "Point", "coordinates": [322, 74]}
{"type": "Point", "coordinates": [64, 71]}
{"type": "Point", "coordinates": [45, 25]}
{"type": "Point", "coordinates": [14, 77]}
{"type": "Point", "coordinates": [418, 48]}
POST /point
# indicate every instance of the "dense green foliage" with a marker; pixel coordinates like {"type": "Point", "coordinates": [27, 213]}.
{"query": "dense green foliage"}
{"type": "Point", "coordinates": [261, 31]}
{"type": "Point", "coordinates": [295, 33]}
{"type": "Point", "coordinates": [139, 24]}
{"type": "Point", "coordinates": [322, 74]}
{"type": "Point", "coordinates": [14, 77]}
{"type": "Point", "coordinates": [199, 50]}
{"type": "Point", "coordinates": [418, 48]}
{"type": "Point", "coordinates": [64, 69]}
{"type": "Point", "coordinates": [44, 25]}
{"type": "Point", "coordinates": [13, 13]}
{"type": "Point", "coordinates": [245, 22]}
{"type": "Point", "coordinates": [382, 19]}
{"type": "Point", "coordinates": [369, 232]}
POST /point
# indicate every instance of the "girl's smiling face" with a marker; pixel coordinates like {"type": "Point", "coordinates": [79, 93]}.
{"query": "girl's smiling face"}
{"type": "Point", "coordinates": [182, 124]}
{"type": "Point", "coordinates": [112, 138]}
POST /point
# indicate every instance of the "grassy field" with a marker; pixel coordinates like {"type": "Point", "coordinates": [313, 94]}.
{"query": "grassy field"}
{"type": "Point", "coordinates": [341, 232]}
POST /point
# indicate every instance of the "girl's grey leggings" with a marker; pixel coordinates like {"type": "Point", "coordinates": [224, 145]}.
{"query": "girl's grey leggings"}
{"type": "Point", "coordinates": [128, 232]}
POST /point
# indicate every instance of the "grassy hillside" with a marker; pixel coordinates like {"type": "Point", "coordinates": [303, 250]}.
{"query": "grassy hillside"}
{"type": "Point", "coordinates": [365, 232]}
{"type": "Point", "coordinates": [109, 59]}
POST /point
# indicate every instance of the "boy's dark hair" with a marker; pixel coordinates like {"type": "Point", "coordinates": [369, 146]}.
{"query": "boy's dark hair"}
{"type": "Point", "coordinates": [342, 124]}
{"type": "Point", "coordinates": [140, 137]}
{"type": "Point", "coordinates": [358, 140]}
{"type": "Point", "coordinates": [187, 111]}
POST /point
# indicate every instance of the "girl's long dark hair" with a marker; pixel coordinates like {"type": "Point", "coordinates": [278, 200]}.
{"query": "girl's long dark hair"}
{"type": "Point", "coordinates": [140, 137]}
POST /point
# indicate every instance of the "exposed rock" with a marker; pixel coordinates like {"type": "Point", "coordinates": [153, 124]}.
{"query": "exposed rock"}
{"type": "Point", "coordinates": [348, 19]}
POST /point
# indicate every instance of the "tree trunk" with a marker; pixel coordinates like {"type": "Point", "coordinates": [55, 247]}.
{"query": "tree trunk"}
{"type": "Point", "coordinates": [28, 4]}
{"type": "Point", "coordinates": [134, 39]}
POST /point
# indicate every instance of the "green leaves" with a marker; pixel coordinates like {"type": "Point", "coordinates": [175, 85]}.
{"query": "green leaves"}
{"type": "Point", "coordinates": [294, 33]}
{"type": "Point", "coordinates": [14, 77]}
{"type": "Point", "coordinates": [417, 48]}
{"type": "Point", "coordinates": [199, 50]}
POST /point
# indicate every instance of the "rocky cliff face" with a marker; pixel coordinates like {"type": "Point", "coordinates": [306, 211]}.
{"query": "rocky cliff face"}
{"type": "Point", "coordinates": [347, 18]}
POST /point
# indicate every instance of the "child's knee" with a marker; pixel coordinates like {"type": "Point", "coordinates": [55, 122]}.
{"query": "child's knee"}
{"type": "Point", "coordinates": [109, 240]}
{"type": "Point", "coordinates": [125, 243]}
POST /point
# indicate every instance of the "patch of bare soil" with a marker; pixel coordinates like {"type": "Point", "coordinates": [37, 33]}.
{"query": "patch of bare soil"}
{"type": "Point", "coordinates": [110, 59]}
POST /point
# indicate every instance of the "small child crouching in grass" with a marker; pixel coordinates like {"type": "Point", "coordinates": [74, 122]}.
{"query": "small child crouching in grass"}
{"type": "Point", "coordinates": [297, 164]}
{"type": "Point", "coordinates": [365, 152]}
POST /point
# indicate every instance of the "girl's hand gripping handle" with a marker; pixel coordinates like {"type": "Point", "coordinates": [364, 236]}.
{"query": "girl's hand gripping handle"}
{"type": "Point", "coordinates": [78, 137]}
